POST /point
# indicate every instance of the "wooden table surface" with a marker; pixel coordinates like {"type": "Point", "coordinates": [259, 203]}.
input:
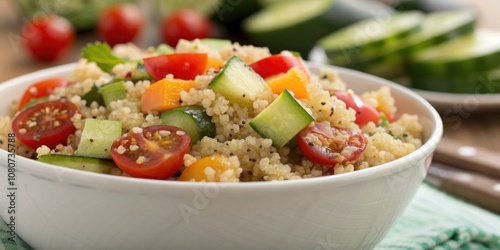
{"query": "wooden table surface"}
{"type": "Point", "coordinates": [470, 128]}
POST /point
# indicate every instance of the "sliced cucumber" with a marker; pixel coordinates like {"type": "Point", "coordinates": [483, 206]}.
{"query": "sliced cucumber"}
{"type": "Point", "coordinates": [193, 119]}
{"type": "Point", "coordinates": [97, 138]}
{"type": "Point", "coordinates": [430, 5]}
{"type": "Point", "coordinates": [165, 7]}
{"type": "Point", "coordinates": [113, 92]}
{"type": "Point", "coordinates": [284, 118]}
{"type": "Point", "coordinates": [485, 82]}
{"type": "Point", "coordinates": [370, 35]}
{"type": "Point", "coordinates": [216, 44]}
{"type": "Point", "coordinates": [297, 25]}
{"type": "Point", "coordinates": [232, 12]}
{"type": "Point", "coordinates": [238, 83]}
{"type": "Point", "coordinates": [93, 95]}
{"type": "Point", "coordinates": [163, 49]}
{"type": "Point", "coordinates": [80, 163]}
{"type": "Point", "coordinates": [452, 24]}
{"type": "Point", "coordinates": [476, 52]}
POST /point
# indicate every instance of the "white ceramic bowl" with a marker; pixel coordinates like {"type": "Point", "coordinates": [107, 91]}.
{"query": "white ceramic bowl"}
{"type": "Point", "coordinates": [59, 208]}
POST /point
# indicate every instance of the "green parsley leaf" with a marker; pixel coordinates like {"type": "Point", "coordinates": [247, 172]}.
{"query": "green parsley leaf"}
{"type": "Point", "coordinates": [383, 121]}
{"type": "Point", "coordinates": [102, 55]}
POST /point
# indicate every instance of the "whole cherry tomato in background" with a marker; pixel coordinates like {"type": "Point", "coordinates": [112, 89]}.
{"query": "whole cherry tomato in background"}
{"type": "Point", "coordinates": [47, 37]}
{"type": "Point", "coordinates": [120, 23]}
{"type": "Point", "coordinates": [185, 24]}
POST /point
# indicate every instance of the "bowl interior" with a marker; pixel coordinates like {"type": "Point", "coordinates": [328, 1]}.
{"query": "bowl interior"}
{"type": "Point", "coordinates": [406, 101]}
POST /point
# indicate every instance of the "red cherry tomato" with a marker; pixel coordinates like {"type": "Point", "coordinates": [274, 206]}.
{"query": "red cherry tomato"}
{"type": "Point", "coordinates": [48, 37]}
{"type": "Point", "coordinates": [41, 89]}
{"type": "Point", "coordinates": [45, 123]}
{"type": "Point", "coordinates": [185, 66]}
{"type": "Point", "coordinates": [364, 111]}
{"type": "Point", "coordinates": [155, 153]}
{"type": "Point", "coordinates": [120, 23]}
{"type": "Point", "coordinates": [328, 145]}
{"type": "Point", "coordinates": [185, 24]}
{"type": "Point", "coordinates": [277, 64]}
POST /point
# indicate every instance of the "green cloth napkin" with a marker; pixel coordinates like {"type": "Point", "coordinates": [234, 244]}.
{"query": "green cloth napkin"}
{"type": "Point", "coordinates": [433, 220]}
{"type": "Point", "coordinates": [7, 244]}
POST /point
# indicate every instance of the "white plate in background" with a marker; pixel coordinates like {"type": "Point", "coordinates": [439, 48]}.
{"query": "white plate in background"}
{"type": "Point", "coordinates": [443, 102]}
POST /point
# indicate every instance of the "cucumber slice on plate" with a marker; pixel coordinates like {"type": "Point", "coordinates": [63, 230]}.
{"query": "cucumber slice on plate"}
{"type": "Point", "coordinates": [434, 29]}
{"type": "Point", "coordinates": [79, 162]}
{"type": "Point", "coordinates": [430, 5]}
{"type": "Point", "coordinates": [370, 35]}
{"type": "Point", "coordinates": [297, 25]}
{"type": "Point", "coordinates": [231, 13]}
{"type": "Point", "coordinates": [476, 52]}
{"type": "Point", "coordinates": [485, 82]}
{"type": "Point", "coordinates": [388, 61]}
{"type": "Point", "coordinates": [165, 7]}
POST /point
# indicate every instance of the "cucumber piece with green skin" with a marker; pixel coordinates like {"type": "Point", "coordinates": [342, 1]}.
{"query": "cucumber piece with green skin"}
{"type": "Point", "coordinates": [97, 138]}
{"type": "Point", "coordinates": [93, 95]}
{"type": "Point", "coordinates": [163, 49]}
{"type": "Point", "coordinates": [232, 12]}
{"type": "Point", "coordinates": [216, 44]}
{"type": "Point", "coordinates": [238, 83]}
{"type": "Point", "coordinates": [166, 7]}
{"type": "Point", "coordinates": [113, 92]}
{"type": "Point", "coordinates": [371, 35]}
{"type": "Point", "coordinates": [452, 24]}
{"type": "Point", "coordinates": [297, 25]}
{"type": "Point", "coordinates": [80, 163]}
{"type": "Point", "coordinates": [282, 120]}
{"type": "Point", "coordinates": [193, 119]}
{"type": "Point", "coordinates": [476, 52]}
{"type": "Point", "coordinates": [430, 5]}
{"type": "Point", "coordinates": [485, 82]}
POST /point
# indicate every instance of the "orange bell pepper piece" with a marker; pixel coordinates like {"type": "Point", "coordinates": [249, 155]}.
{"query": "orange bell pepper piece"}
{"type": "Point", "coordinates": [294, 80]}
{"type": "Point", "coordinates": [164, 94]}
{"type": "Point", "coordinates": [214, 63]}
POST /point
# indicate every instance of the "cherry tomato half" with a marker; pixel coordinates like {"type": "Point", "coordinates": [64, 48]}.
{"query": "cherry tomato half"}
{"type": "Point", "coordinates": [45, 123]}
{"type": "Point", "coordinates": [364, 111]}
{"type": "Point", "coordinates": [328, 145]}
{"type": "Point", "coordinates": [185, 24]}
{"type": "Point", "coordinates": [41, 89]}
{"type": "Point", "coordinates": [155, 153]}
{"type": "Point", "coordinates": [120, 23]}
{"type": "Point", "coordinates": [185, 66]}
{"type": "Point", "coordinates": [48, 37]}
{"type": "Point", "coordinates": [277, 64]}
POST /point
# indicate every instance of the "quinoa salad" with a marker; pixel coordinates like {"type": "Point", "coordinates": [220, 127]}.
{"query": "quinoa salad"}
{"type": "Point", "coordinates": [206, 110]}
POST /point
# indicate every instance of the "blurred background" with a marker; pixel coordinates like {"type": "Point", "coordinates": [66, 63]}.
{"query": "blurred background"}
{"type": "Point", "coordinates": [246, 21]}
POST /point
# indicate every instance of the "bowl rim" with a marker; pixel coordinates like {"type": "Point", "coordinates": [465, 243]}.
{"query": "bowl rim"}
{"type": "Point", "coordinates": [352, 177]}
